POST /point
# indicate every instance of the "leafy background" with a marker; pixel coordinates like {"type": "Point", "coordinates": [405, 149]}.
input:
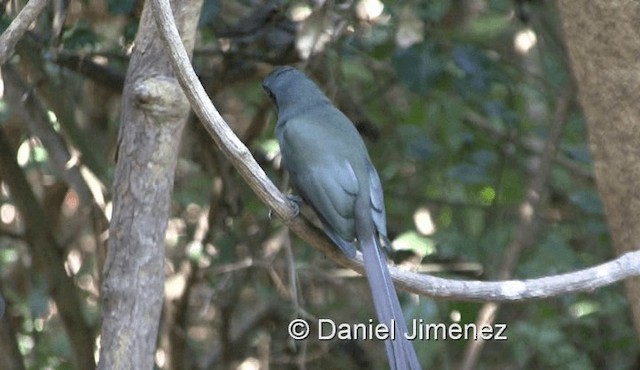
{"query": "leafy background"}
{"type": "Point", "coordinates": [455, 100]}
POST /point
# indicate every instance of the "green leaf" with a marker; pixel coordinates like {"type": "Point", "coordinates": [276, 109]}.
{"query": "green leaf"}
{"type": "Point", "coordinates": [434, 10]}
{"type": "Point", "coordinates": [39, 302]}
{"type": "Point", "coordinates": [210, 10]}
{"type": "Point", "coordinates": [469, 174]}
{"type": "Point", "coordinates": [120, 6]}
{"type": "Point", "coordinates": [488, 26]}
{"type": "Point", "coordinates": [587, 201]}
{"type": "Point", "coordinates": [419, 67]}
{"type": "Point", "coordinates": [411, 240]}
{"type": "Point", "coordinates": [79, 36]}
{"type": "Point", "coordinates": [473, 63]}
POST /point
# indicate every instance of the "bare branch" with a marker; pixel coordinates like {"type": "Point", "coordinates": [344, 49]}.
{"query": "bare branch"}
{"type": "Point", "coordinates": [18, 27]}
{"type": "Point", "coordinates": [238, 154]}
{"type": "Point", "coordinates": [48, 258]}
{"type": "Point", "coordinates": [35, 117]}
{"type": "Point", "coordinates": [82, 64]}
{"type": "Point", "coordinates": [586, 280]}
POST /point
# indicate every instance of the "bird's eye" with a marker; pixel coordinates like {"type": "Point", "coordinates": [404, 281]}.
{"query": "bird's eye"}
{"type": "Point", "coordinates": [268, 91]}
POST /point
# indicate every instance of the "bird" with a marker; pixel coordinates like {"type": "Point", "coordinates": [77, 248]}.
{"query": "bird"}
{"type": "Point", "coordinates": [330, 169]}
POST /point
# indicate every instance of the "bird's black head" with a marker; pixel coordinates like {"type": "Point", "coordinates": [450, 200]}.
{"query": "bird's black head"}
{"type": "Point", "coordinates": [290, 88]}
{"type": "Point", "coordinates": [275, 80]}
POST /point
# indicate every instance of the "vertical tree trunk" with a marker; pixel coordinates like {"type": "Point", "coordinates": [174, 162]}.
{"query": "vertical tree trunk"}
{"type": "Point", "coordinates": [603, 38]}
{"type": "Point", "coordinates": [154, 114]}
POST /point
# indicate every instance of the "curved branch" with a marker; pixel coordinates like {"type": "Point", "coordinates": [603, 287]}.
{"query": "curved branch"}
{"type": "Point", "coordinates": [589, 279]}
{"type": "Point", "coordinates": [241, 158]}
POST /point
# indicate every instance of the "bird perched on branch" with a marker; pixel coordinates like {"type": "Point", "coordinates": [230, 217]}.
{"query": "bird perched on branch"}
{"type": "Point", "coordinates": [331, 170]}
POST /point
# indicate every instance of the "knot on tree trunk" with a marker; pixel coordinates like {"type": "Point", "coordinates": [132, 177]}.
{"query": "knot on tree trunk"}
{"type": "Point", "coordinates": [162, 97]}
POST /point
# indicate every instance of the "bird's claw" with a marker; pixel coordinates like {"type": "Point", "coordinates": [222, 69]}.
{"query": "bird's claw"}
{"type": "Point", "coordinates": [295, 202]}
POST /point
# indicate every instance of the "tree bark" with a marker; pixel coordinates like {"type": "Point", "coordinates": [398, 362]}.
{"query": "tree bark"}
{"type": "Point", "coordinates": [603, 40]}
{"type": "Point", "coordinates": [154, 114]}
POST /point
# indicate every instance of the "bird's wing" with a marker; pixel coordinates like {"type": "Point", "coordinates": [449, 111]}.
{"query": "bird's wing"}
{"type": "Point", "coordinates": [327, 183]}
{"type": "Point", "coordinates": [331, 191]}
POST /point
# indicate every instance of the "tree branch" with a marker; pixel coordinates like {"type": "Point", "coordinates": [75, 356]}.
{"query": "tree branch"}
{"type": "Point", "coordinates": [48, 258]}
{"type": "Point", "coordinates": [34, 114]}
{"type": "Point", "coordinates": [18, 27]}
{"type": "Point", "coordinates": [241, 158]}
{"type": "Point", "coordinates": [84, 65]}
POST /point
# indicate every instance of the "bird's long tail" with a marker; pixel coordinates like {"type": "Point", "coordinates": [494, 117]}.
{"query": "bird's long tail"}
{"type": "Point", "coordinates": [400, 351]}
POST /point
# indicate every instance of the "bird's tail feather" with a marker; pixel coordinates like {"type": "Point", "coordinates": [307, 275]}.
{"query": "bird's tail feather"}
{"type": "Point", "coordinates": [400, 351]}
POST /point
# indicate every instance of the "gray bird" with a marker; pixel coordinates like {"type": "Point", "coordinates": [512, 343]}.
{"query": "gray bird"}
{"type": "Point", "coordinates": [330, 168]}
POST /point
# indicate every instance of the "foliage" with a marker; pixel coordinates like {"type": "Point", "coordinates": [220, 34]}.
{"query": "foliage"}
{"type": "Point", "coordinates": [455, 108]}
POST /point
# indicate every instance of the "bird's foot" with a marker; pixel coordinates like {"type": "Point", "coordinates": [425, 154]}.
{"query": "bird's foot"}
{"type": "Point", "coordinates": [295, 202]}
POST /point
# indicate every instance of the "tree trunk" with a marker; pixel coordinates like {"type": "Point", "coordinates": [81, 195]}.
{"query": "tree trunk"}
{"type": "Point", "coordinates": [154, 114]}
{"type": "Point", "coordinates": [603, 39]}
